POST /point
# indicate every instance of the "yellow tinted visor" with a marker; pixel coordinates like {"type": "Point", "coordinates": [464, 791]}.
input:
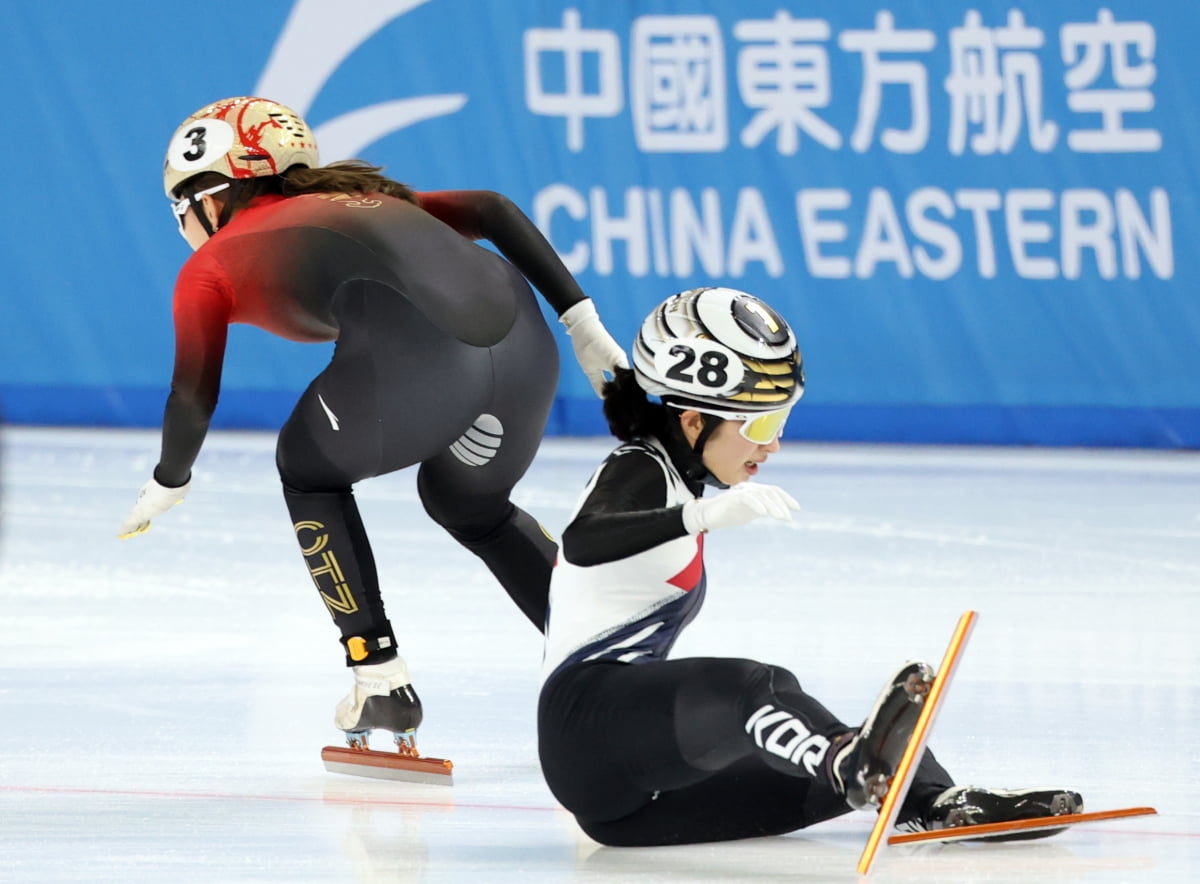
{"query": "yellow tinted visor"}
{"type": "Point", "coordinates": [763, 429]}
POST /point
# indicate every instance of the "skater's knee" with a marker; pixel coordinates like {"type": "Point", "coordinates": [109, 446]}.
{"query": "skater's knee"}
{"type": "Point", "coordinates": [764, 678]}
{"type": "Point", "coordinates": [302, 468]}
{"type": "Point", "coordinates": [302, 473]}
{"type": "Point", "coordinates": [480, 529]}
{"type": "Point", "coordinates": [781, 680]}
{"type": "Point", "coordinates": [296, 481]}
{"type": "Point", "coordinates": [753, 684]}
{"type": "Point", "coordinates": [288, 462]}
{"type": "Point", "coordinates": [471, 520]}
{"type": "Point", "coordinates": [298, 491]}
{"type": "Point", "coordinates": [728, 682]}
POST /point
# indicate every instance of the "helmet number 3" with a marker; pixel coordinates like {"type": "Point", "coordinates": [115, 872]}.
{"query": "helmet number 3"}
{"type": "Point", "coordinates": [703, 367]}
{"type": "Point", "coordinates": [198, 146]}
{"type": "Point", "coordinates": [195, 137]}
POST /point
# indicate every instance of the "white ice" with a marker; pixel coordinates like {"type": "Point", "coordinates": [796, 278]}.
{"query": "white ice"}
{"type": "Point", "coordinates": [163, 700]}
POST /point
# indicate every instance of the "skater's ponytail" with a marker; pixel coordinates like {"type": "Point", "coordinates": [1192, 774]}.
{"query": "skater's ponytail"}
{"type": "Point", "coordinates": [628, 410]}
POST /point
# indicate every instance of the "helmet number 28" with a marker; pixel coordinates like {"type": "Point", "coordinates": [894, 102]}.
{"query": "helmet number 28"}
{"type": "Point", "coordinates": [703, 367]}
{"type": "Point", "coordinates": [711, 371]}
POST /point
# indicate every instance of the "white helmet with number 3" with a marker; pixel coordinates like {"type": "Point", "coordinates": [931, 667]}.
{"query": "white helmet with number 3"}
{"type": "Point", "coordinates": [242, 137]}
{"type": "Point", "coordinates": [720, 349]}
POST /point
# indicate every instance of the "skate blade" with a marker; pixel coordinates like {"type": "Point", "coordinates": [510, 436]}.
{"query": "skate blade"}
{"type": "Point", "coordinates": [890, 807]}
{"type": "Point", "coordinates": [387, 766]}
{"type": "Point", "coordinates": [1044, 825]}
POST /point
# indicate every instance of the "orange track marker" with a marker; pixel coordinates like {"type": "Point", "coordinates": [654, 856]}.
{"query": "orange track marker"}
{"type": "Point", "coordinates": [916, 743]}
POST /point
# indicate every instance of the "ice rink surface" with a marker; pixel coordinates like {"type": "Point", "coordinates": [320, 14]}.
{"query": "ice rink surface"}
{"type": "Point", "coordinates": [164, 700]}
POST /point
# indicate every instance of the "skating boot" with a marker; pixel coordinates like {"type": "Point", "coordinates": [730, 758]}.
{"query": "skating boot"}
{"type": "Point", "coordinates": [862, 764]}
{"type": "Point", "coordinates": [970, 806]}
{"type": "Point", "coordinates": [383, 698]}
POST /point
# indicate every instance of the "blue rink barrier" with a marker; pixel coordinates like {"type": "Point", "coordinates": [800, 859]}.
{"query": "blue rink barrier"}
{"type": "Point", "coordinates": [977, 216]}
{"type": "Point", "coordinates": [811, 422]}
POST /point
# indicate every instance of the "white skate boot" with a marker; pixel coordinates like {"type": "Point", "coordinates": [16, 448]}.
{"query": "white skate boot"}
{"type": "Point", "coordinates": [383, 698]}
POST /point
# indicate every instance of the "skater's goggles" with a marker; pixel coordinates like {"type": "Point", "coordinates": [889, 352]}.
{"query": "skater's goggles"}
{"type": "Point", "coordinates": [180, 206]}
{"type": "Point", "coordinates": [759, 427]}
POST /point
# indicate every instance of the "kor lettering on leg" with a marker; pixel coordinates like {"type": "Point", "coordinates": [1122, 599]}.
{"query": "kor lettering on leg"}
{"type": "Point", "coordinates": [779, 732]}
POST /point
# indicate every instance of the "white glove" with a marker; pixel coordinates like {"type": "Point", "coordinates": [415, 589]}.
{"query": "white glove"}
{"type": "Point", "coordinates": [595, 348]}
{"type": "Point", "coordinates": [153, 500]}
{"type": "Point", "coordinates": [737, 506]}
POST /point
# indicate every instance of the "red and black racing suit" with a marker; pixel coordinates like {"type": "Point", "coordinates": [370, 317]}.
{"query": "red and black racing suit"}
{"type": "Point", "coordinates": [442, 359]}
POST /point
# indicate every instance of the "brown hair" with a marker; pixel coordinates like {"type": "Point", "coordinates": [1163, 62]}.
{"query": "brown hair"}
{"type": "Point", "coordinates": [345, 176]}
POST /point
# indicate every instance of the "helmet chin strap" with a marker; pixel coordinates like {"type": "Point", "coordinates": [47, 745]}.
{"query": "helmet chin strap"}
{"type": "Point", "coordinates": [710, 425]}
{"type": "Point", "coordinates": [693, 453]}
{"type": "Point", "coordinates": [201, 215]}
{"type": "Point", "coordinates": [227, 206]}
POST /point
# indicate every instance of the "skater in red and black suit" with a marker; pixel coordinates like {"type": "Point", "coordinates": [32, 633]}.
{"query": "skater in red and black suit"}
{"type": "Point", "coordinates": [646, 750]}
{"type": "Point", "coordinates": [442, 360]}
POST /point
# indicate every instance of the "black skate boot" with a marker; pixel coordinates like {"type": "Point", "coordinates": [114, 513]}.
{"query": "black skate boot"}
{"type": "Point", "coordinates": [384, 699]}
{"type": "Point", "coordinates": [862, 765]}
{"type": "Point", "coordinates": [970, 806]}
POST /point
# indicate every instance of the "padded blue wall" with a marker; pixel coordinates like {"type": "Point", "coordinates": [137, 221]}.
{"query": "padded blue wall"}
{"type": "Point", "coordinates": [976, 216]}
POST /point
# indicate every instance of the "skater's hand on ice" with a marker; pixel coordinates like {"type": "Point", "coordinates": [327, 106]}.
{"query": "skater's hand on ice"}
{"type": "Point", "coordinates": [153, 500]}
{"type": "Point", "coordinates": [737, 506]}
{"type": "Point", "coordinates": [595, 348]}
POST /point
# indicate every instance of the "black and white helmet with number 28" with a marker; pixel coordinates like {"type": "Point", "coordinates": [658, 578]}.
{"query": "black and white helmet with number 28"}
{"type": "Point", "coordinates": [721, 350]}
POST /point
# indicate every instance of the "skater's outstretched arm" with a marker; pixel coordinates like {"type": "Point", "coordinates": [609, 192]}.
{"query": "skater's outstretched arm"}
{"type": "Point", "coordinates": [485, 214]}
{"type": "Point", "coordinates": [202, 311]}
{"type": "Point", "coordinates": [623, 514]}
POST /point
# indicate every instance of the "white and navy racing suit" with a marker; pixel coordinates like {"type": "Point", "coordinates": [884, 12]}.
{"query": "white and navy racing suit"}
{"type": "Point", "coordinates": [648, 751]}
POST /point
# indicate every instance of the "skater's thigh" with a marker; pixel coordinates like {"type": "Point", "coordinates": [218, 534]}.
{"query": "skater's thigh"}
{"type": "Point", "coordinates": [319, 449]}
{"type": "Point", "coordinates": [397, 391]}
{"type": "Point", "coordinates": [578, 712]}
{"type": "Point", "coordinates": [587, 714]}
{"type": "Point", "coordinates": [525, 364]}
{"type": "Point", "coordinates": [477, 470]}
{"type": "Point", "coordinates": [747, 799]}
{"type": "Point", "coordinates": [693, 693]}
{"type": "Point", "coordinates": [469, 481]}
{"type": "Point", "coordinates": [692, 775]}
